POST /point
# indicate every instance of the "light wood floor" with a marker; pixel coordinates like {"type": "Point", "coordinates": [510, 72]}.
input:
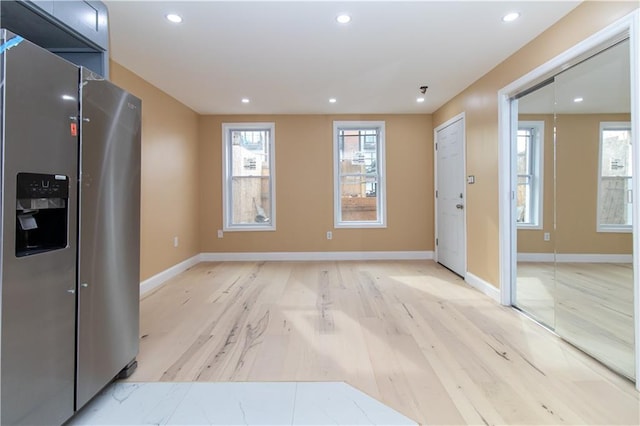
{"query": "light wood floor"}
{"type": "Point", "coordinates": [409, 333]}
{"type": "Point", "coordinates": [588, 304]}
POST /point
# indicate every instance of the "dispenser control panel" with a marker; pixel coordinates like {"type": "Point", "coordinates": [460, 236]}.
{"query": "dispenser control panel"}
{"type": "Point", "coordinates": [36, 185]}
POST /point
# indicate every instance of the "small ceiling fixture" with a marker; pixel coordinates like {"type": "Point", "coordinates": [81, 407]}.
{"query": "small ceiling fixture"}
{"type": "Point", "coordinates": [578, 100]}
{"type": "Point", "coordinates": [333, 100]}
{"type": "Point", "coordinates": [343, 18]}
{"type": "Point", "coordinates": [245, 100]}
{"type": "Point", "coordinates": [68, 98]}
{"type": "Point", "coordinates": [420, 100]}
{"type": "Point", "coordinates": [172, 17]}
{"type": "Point", "coordinates": [510, 17]}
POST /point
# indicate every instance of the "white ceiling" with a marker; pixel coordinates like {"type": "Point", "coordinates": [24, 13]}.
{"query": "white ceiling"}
{"type": "Point", "coordinates": [291, 57]}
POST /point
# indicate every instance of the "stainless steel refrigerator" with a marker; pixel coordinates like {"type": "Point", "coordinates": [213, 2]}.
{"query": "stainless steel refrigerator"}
{"type": "Point", "coordinates": [69, 220]}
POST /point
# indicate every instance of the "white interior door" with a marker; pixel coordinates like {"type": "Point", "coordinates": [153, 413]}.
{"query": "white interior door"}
{"type": "Point", "coordinates": [450, 196]}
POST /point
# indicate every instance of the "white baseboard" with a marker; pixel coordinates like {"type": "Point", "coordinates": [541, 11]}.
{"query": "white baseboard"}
{"type": "Point", "coordinates": [536, 257]}
{"type": "Point", "coordinates": [575, 258]}
{"type": "Point", "coordinates": [483, 286]}
{"type": "Point", "coordinates": [594, 258]}
{"type": "Point", "coordinates": [317, 256]}
{"type": "Point", "coordinates": [160, 278]}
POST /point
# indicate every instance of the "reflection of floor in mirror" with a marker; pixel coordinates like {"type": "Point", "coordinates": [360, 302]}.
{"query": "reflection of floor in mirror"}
{"type": "Point", "coordinates": [535, 291]}
{"type": "Point", "coordinates": [593, 306]}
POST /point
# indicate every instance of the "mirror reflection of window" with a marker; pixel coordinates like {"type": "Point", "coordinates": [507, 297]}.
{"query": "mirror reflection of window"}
{"type": "Point", "coordinates": [615, 196]}
{"type": "Point", "coordinates": [529, 152]}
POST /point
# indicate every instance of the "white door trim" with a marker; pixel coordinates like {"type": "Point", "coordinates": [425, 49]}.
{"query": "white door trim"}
{"type": "Point", "coordinates": [629, 24]}
{"type": "Point", "coordinates": [447, 123]}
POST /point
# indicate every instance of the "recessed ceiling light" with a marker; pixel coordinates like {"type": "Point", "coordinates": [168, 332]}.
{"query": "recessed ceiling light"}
{"type": "Point", "coordinates": [578, 99]}
{"type": "Point", "coordinates": [333, 100]}
{"type": "Point", "coordinates": [510, 17]}
{"type": "Point", "coordinates": [343, 18]}
{"type": "Point", "coordinates": [420, 100]}
{"type": "Point", "coordinates": [172, 17]}
{"type": "Point", "coordinates": [245, 100]}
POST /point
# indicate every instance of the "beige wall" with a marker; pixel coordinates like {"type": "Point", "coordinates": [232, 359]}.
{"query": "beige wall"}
{"type": "Point", "coordinates": [169, 200]}
{"type": "Point", "coordinates": [578, 142]}
{"type": "Point", "coordinates": [480, 103]}
{"type": "Point", "coordinates": [304, 187]}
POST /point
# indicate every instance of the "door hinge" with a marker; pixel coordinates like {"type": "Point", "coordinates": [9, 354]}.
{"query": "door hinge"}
{"type": "Point", "coordinates": [436, 193]}
{"type": "Point", "coordinates": [436, 241]}
{"type": "Point", "coordinates": [436, 147]}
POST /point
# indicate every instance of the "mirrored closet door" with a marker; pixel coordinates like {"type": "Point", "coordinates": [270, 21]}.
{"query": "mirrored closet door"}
{"type": "Point", "coordinates": [573, 160]}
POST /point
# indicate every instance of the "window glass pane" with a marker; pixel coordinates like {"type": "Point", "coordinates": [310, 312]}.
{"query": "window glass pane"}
{"type": "Point", "coordinates": [359, 198]}
{"type": "Point", "coordinates": [522, 142]}
{"type": "Point", "coordinates": [616, 153]}
{"type": "Point", "coordinates": [522, 164]}
{"type": "Point", "coordinates": [522, 198]}
{"type": "Point", "coordinates": [615, 208]}
{"type": "Point", "coordinates": [358, 152]}
{"type": "Point", "coordinates": [523, 151]}
{"type": "Point", "coordinates": [250, 153]}
{"type": "Point", "coordinates": [250, 200]}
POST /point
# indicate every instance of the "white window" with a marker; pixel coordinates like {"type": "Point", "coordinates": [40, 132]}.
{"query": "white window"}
{"type": "Point", "coordinates": [529, 166]}
{"type": "Point", "coordinates": [359, 174]}
{"type": "Point", "coordinates": [615, 176]}
{"type": "Point", "coordinates": [248, 177]}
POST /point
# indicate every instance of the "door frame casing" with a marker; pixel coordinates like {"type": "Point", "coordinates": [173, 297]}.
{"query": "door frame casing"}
{"type": "Point", "coordinates": [630, 24]}
{"type": "Point", "coordinates": [447, 123]}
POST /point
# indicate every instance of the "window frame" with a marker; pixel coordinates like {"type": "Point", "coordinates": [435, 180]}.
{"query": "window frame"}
{"type": "Point", "coordinates": [227, 181]}
{"type": "Point", "coordinates": [613, 228]}
{"type": "Point", "coordinates": [537, 181]}
{"type": "Point", "coordinates": [381, 204]}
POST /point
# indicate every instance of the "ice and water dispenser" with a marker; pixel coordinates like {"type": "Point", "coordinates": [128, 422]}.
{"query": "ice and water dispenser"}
{"type": "Point", "coordinates": [41, 213]}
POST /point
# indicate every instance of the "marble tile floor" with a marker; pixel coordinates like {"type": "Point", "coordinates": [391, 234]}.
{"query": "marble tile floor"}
{"type": "Point", "coordinates": [243, 403]}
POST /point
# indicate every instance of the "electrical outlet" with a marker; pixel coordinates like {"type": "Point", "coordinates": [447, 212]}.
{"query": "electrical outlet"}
{"type": "Point", "coordinates": [175, 241]}
{"type": "Point", "coordinates": [547, 236]}
{"type": "Point", "coordinates": [220, 233]}
{"type": "Point", "coordinates": [329, 235]}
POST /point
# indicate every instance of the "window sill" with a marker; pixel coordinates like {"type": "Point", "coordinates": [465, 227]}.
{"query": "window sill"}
{"type": "Point", "coordinates": [529, 227]}
{"type": "Point", "coordinates": [615, 229]}
{"type": "Point", "coordinates": [359, 225]}
{"type": "Point", "coordinates": [248, 228]}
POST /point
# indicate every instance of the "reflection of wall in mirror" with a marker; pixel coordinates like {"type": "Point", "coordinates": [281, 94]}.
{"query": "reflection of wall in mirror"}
{"type": "Point", "coordinates": [578, 143]}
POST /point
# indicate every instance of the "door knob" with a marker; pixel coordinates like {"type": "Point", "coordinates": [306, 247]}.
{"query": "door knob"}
{"type": "Point", "coordinates": [459, 206]}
